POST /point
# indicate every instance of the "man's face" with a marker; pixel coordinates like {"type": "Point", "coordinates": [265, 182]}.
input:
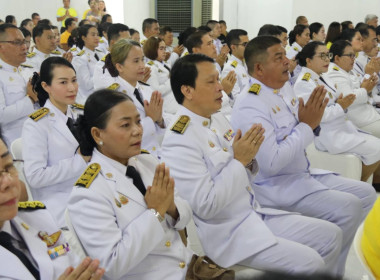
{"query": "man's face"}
{"type": "Point", "coordinates": [66, 4]}
{"type": "Point", "coordinates": [370, 42]}
{"type": "Point", "coordinates": [273, 71]}
{"type": "Point", "coordinates": [238, 49]}
{"type": "Point", "coordinates": [373, 22]}
{"type": "Point", "coordinates": [168, 38]}
{"type": "Point", "coordinates": [46, 42]}
{"type": "Point", "coordinates": [304, 21]}
{"type": "Point", "coordinates": [215, 32]}
{"type": "Point", "coordinates": [36, 19]}
{"type": "Point", "coordinates": [13, 54]}
{"type": "Point", "coordinates": [72, 26]}
{"type": "Point", "coordinates": [223, 28]}
{"type": "Point", "coordinates": [284, 39]}
{"type": "Point", "coordinates": [207, 48]}
{"type": "Point", "coordinates": [154, 30]}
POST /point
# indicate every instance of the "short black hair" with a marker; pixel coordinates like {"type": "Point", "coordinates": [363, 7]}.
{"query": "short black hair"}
{"type": "Point", "coordinates": [233, 37]}
{"type": "Point", "coordinates": [132, 31]}
{"type": "Point", "coordinates": [364, 30]}
{"type": "Point", "coordinates": [308, 51]}
{"type": "Point", "coordinates": [39, 30]}
{"type": "Point", "coordinates": [165, 29]}
{"type": "Point", "coordinates": [35, 15]}
{"type": "Point", "coordinates": [211, 23]}
{"type": "Point", "coordinates": [184, 73]}
{"type": "Point", "coordinates": [4, 27]}
{"type": "Point", "coordinates": [195, 40]}
{"type": "Point", "coordinates": [348, 34]}
{"type": "Point", "coordinates": [103, 27]}
{"type": "Point", "coordinates": [44, 21]}
{"type": "Point", "coordinates": [104, 18]}
{"type": "Point", "coordinates": [269, 30]}
{"type": "Point", "coordinates": [282, 29]}
{"type": "Point", "coordinates": [69, 21]}
{"type": "Point", "coordinates": [182, 37]}
{"type": "Point", "coordinates": [256, 50]}
{"type": "Point", "coordinates": [113, 32]}
{"type": "Point", "coordinates": [147, 23]}
{"type": "Point", "coordinates": [222, 22]}
{"type": "Point", "coordinates": [9, 18]}
{"type": "Point", "coordinates": [338, 48]}
{"type": "Point", "coordinates": [345, 24]}
{"type": "Point", "coordinates": [204, 28]}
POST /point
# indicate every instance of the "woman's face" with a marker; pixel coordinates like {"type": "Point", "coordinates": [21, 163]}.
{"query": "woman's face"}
{"type": "Point", "coordinates": [161, 51]}
{"type": "Point", "coordinates": [357, 42]}
{"type": "Point", "coordinates": [133, 68]}
{"type": "Point", "coordinates": [102, 6]}
{"type": "Point", "coordinates": [304, 38]}
{"type": "Point", "coordinates": [136, 37]}
{"type": "Point", "coordinates": [122, 135]}
{"type": "Point", "coordinates": [91, 40]}
{"type": "Point", "coordinates": [320, 36]}
{"type": "Point", "coordinates": [319, 63]}
{"type": "Point", "coordinates": [347, 60]}
{"type": "Point", "coordinates": [9, 186]}
{"type": "Point", "coordinates": [63, 88]}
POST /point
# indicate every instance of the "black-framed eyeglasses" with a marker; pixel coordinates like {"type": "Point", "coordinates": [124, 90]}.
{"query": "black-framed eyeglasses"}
{"type": "Point", "coordinates": [325, 56]}
{"type": "Point", "coordinates": [242, 44]}
{"type": "Point", "coordinates": [350, 55]}
{"type": "Point", "coordinates": [18, 43]}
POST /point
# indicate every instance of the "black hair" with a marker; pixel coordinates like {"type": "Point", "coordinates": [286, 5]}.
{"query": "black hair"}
{"type": "Point", "coordinates": [25, 22]}
{"type": "Point", "coordinates": [182, 37]}
{"type": "Point", "coordinates": [269, 30]}
{"type": "Point", "coordinates": [165, 29]}
{"type": "Point", "coordinates": [82, 22]}
{"type": "Point", "coordinates": [338, 48]}
{"type": "Point", "coordinates": [184, 73]}
{"type": "Point", "coordinates": [211, 24]}
{"type": "Point", "coordinates": [44, 21]}
{"type": "Point", "coordinates": [299, 19]}
{"type": "Point", "coordinates": [147, 23]}
{"type": "Point", "coordinates": [39, 30]}
{"type": "Point", "coordinates": [222, 22]}
{"type": "Point", "coordinates": [83, 31]}
{"type": "Point", "coordinates": [97, 111]}
{"type": "Point", "coordinates": [103, 27]}
{"type": "Point", "coordinates": [360, 24]}
{"type": "Point", "coordinates": [315, 27]}
{"type": "Point", "coordinates": [195, 40]}
{"type": "Point", "coordinates": [348, 34]}
{"type": "Point", "coordinates": [35, 15]}
{"type": "Point", "coordinates": [204, 28]}
{"type": "Point", "coordinates": [9, 19]}
{"type": "Point", "coordinates": [69, 21]}
{"type": "Point", "coordinates": [133, 31]}
{"type": "Point", "coordinates": [233, 37]}
{"type": "Point", "coordinates": [4, 27]}
{"type": "Point", "coordinates": [378, 30]}
{"type": "Point", "coordinates": [257, 48]}
{"type": "Point", "coordinates": [364, 30]}
{"type": "Point", "coordinates": [25, 32]}
{"type": "Point", "coordinates": [282, 29]}
{"type": "Point", "coordinates": [308, 51]}
{"type": "Point", "coordinates": [113, 32]}
{"type": "Point", "coordinates": [346, 24]}
{"type": "Point", "coordinates": [73, 38]}
{"type": "Point", "coordinates": [297, 30]}
{"type": "Point", "coordinates": [333, 33]}
{"type": "Point", "coordinates": [104, 18]}
{"type": "Point", "coordinates": [46, 75]}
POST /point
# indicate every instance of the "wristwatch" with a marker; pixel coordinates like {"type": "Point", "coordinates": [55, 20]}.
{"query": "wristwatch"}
{"type": "Point", "coordinates": [157, 214]}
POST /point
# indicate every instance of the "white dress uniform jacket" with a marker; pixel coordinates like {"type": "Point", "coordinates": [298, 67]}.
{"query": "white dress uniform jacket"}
{"type": "Point", "coordinates": [36, 58]}
{"type": "Point", "coordinates": [84, 63]}
{"type": "Point", "coordinates": [51, 161]}
{"type": "Point", "coordinates": [153, 133]}
{"type": "Point", "coordinates": [338, 134]}
{"type": "Point", "coordinates": [361, 112]}
{"type": "Point", "coordinates": [291, 53]}
{"type": "Point", "coordinates": [26, 225]}
{"type": "Point", "coordinates": [173, 56]}
{"type": "Point", "coordinates": [160, 80]}
{"type": "Point", "coordinates": [240, 68]}
{"type": "Point", "coordinates": [102, 77]}
{"type": "Point", "coordinates": [15, 106]}
{"type": "Point", "coordinates": [103, 45]}
{"type": "Point", "coordinates": [113, 224]}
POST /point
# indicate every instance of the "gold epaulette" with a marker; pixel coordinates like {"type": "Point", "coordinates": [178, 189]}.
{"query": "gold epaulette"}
{"type": "Point", "coordinates": [73, 49]}
{"type": "Point", "coordinates": [114, 86]}
{"type": "Point", "coordinates": [101, 41]}
{"type": "Point", "coordinates": [186, 53]}
{"type": "Point", "coordinates": [104, 58]}
{"type": "Point", "coordinates": [56, 52]}
{"type": "Point", "coordinates": [234, 63]}
{"type": "Point", "coordinates": [78, 106]}
{"type": "Point", "coordinates": [306, 77]}
{"type": "Point", "coordinates": [30, 55]}
{"type": "Point", "coordinates": [40, 113]}
{"type": "Point", "coordinates": [336, 68]}
{"type": "Point", "coordinates": [181, 124]}
{"type": "Point", "coordinates": [150, 62]}
{"type": "Point", "coordinates": [88, 176]}
{"type": "Point", "coordinates": [81, 53]}
{"type": "Point", "coordinates": [255, 89]}
{"type": "Point", "coordinates": [31, 205]}
{"type": "Point", "coordinates": [296, 49]}
{"type": "Point", "coordinates": [142, 42]}
{"type": "Point", "coordinates": [26, 66]}
{"type": "Point", "coordinates": [144, 151]}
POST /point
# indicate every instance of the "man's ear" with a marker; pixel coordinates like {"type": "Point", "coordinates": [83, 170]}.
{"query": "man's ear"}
{"type": "Point", "coordinates": [187, 91]}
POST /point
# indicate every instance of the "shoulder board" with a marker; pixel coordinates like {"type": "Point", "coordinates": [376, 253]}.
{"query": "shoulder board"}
{"type": "Point", "coordinates": [150, 62]}
{"type": "Point", "coordinates": [81, 53]}
{"type": "Point", "coordinates": [26, 66]}
{"type": "Point", "coordinates": [78, 106]}
{"type": "Point", "coordinates": [255, 89]}
{"type": "Point", "coordinates": [55, 52]}
{"type": "Point", "coordinates": [31, 205]}
{"type": "Point", "coordinates": [40, 113]}
{"type": "Point", "coordinates": [114, 86]}
{"type": "Point", "coordinates": [103, 58]}
{"type": "Point", "coordinates": [88, 176]}
{"type": "Point", "coordinates": [296, 49]}
{"type": "Point", "coordinates": [181, 124]}
{"type": "Point", "coordinates": [101, 41]}
{"type": "Point", "coordinates": [336, 68]}
{"type": "Point", "coordinates": [306, 77]}
{"type": "Point", "coordinates": [144, 84]}
{"type": "Point", "coordinates": [30, 55]}
{"type": "Point", "coordinates": [142, 42]}
{"type": "Point", "coordinates": [73, 49]}
{"type": "Point", "coordinates": [234, 64]}
{"type": "Point", "coordinates": [186, 53]}
{"type": "Point", "coordinates": [144, 151]}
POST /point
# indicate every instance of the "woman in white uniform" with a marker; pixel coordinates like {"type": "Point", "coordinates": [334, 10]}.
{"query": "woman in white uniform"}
{"type": "Point", "coordinates": [361, 112]}
{"type": "Point", "coordinates": [338, 134]}
{"type": "Point", "coordinates": [155, 50]}
{"type": "Point", "coordinates": [52, 161]}
{"type": "Point", "coordinates": [84, 62]}
{"type": "Point", "coordinates": [124, 208]}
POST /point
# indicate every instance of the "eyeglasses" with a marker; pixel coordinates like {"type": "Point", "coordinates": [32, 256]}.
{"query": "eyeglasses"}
{"type": "Point", "coordinates": [325, 56]}
{"type": "Point", "coordinates": [242, 44]}
{"type": "Point", "coordinates": [350, 55]}
{"type": "Point", "coordinates": [18, 43]}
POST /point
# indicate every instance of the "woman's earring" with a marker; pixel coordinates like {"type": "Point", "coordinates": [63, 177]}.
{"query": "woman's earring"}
{"type": "Point", "coordinates": [100, 143]}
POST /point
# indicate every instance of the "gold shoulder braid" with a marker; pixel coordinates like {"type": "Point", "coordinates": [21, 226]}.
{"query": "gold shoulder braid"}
{"type": "Point", "coordinates": [306, 77]}
{"type": "Point", "coordinates": [88, 175]}
{"type": "Point", "coordinates": [234, 64]}
{"type": "Point", "coordinates": [255, 89]}
{"type": "Point", "coordinates": [31, 205]}
{"type": "Point", "coordinates": [150, 62]}
{"type": "Point", "coordinates": [81, 53]}
{"type": "Point", "coordinates": [39, 114]}
{"type": "Point", "coordinates": [78, 106]}
{"type": "Point", "coordinates": [144, 151]}
{"type": "Point", "coordinates": [114, 86]}
{"type": "Point", "coordinates": [181, 124]}
{"type": "Point", "coordinates": [30, 55]}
